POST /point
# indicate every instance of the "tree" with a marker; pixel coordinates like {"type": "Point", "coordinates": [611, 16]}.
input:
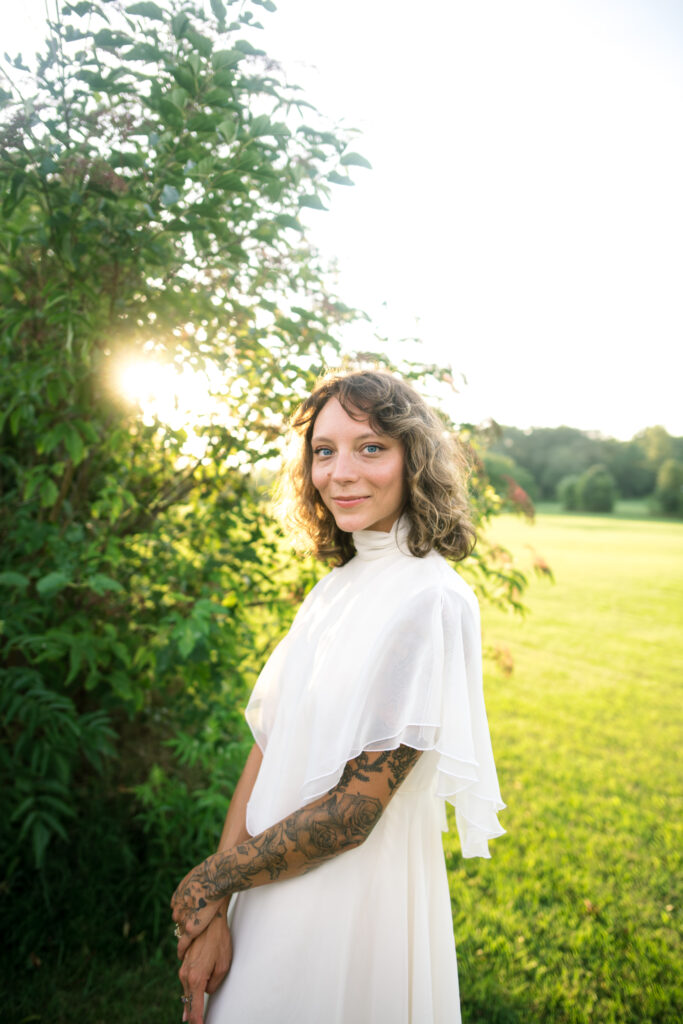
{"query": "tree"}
{"type": "Point", "coordinates": [669, 490]}
{"type": "Point", "coordinates": [629, 466]}
{"type": "Point", "coordinates": [596, 490]}
{"type": "Point", "coordinates": [568, 493]}
{"type": "Point", "coordinates": [153, 174]}
{"type": "Point", "coordinates": [657, 445]}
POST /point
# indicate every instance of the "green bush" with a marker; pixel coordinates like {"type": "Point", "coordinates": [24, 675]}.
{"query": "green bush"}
{"type": "Point", "coordinates": [669, 489]}
{"type": "Point", "coordinates": [596, 490]}
{"type": "Point", "coordinates": [567, 493]}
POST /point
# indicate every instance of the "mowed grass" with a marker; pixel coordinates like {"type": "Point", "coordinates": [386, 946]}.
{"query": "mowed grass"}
{"type": "Point", "coordinates": [576, 916]}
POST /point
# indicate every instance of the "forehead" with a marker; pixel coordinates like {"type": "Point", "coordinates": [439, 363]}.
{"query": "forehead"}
{"type": "Point", "coordinates": [334, 419]}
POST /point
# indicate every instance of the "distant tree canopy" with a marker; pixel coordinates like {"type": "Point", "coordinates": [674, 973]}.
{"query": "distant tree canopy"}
{"type": "Point", "coordinates": [153, 171]}
{"type": "Point", "coordinates": [552, 455]}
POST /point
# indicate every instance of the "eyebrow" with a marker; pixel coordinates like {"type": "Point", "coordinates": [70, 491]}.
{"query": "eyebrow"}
{"type": "Point", "coordinates": [316, 439]}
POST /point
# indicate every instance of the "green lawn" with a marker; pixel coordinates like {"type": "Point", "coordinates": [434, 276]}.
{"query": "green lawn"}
{"type": "Point", "coordinates": [575, 917]}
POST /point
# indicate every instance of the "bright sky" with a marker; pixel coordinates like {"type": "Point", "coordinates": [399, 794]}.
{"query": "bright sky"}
{"type": "Point", "coordinates": [524, 214]}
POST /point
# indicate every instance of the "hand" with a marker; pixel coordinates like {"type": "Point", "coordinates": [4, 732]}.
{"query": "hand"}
{"type": "Point", "coordinates": [206, 963]}
{"type": "Point", "coordinates": [196, 902]}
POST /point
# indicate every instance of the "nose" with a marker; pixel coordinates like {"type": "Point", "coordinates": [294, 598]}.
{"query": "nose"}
{"type": "Point", "coordinates": [344, 467]}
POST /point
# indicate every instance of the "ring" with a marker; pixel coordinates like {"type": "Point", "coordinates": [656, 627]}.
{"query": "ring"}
{"type": "Point", "coordinates": [178, 931]}
{"type": "Point", "coordinates": [186, 999]}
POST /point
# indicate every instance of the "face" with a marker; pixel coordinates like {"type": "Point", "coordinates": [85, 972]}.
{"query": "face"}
{"type": "Point", "coordinates": [358, 473]}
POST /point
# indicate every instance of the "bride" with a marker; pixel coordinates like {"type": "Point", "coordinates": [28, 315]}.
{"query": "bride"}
{"type": "Point", "coordinates": [367, 716]}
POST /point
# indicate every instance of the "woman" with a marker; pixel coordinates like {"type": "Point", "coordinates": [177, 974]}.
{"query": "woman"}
{"type": "Point", "coordinates": [367, 715]}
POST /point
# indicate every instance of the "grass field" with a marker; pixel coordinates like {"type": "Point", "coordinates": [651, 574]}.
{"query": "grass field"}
{"type": "Point", "coordinates": [575, 919]}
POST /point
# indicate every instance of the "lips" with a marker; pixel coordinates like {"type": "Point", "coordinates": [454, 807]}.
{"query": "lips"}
{"type": "Point", "coordinates": [348, 502]}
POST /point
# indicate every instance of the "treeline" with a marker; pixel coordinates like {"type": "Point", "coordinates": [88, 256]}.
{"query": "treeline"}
{"type": "Point", "coordinates": [586, 471]}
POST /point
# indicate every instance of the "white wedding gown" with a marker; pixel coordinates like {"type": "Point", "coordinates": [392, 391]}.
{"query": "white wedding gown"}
{"type": "Point", "coordinates": [384, 650]}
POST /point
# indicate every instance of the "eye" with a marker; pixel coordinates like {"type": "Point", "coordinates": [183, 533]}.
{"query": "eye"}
{"type": "Point", "coordinates": [373, 449]}
{"type": "Point", "coordinates": [323, 451]}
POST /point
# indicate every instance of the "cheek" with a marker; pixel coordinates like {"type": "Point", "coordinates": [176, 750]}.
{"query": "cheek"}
{"type": "Point", "coordinates": [391, 477]}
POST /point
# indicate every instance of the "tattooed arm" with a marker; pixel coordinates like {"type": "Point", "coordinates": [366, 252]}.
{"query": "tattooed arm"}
{"type": "Point", "coordinates": [338, 821]}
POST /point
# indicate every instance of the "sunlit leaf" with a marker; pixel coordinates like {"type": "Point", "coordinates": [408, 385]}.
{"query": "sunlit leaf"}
{"type": "Point", "coordinates": [226, 58]}
{"type": "Point", "coordinates": [355, 159]}
{"type": "Point", "coordinates": [148, 10]}
{"type": "Point", "coordinates": [312, 201]}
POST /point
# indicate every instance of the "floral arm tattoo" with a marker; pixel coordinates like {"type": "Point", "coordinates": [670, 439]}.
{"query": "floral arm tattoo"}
{"type": "Point", "coordinates": [340, 820]}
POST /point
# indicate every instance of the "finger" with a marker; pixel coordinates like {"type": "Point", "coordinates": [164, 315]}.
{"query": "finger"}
{"type": "Point", "coordinates": [197, 1007]}
{"type": "Point", "coordinates": [187, 1005]}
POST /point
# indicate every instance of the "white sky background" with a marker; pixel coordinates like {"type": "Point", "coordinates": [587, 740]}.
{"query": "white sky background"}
{"type": "Point", "coordinates": [524, 214]}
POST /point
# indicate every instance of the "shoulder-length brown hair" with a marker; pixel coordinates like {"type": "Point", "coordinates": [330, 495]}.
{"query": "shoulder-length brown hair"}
{"type": "Point", "coordinates": [435, 469]}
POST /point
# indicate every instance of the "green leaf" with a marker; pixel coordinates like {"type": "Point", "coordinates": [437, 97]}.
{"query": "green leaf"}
{"type": "Point", "coordinates": [40, 837]}
{"type": "Point", "coordinates": [218, 8]}
{"type": "Point", "coordinates": [229, 182]}
{"type": "Point", "coordinates": [84, 7]}
{"type": "Point", "coordinates": [179, 24]}
{"type": "Point", "coordinates": [171, 115]}
{"type": "Point", "coordinates": [144, 51]}
{"type": "Point", "coordinates": [51, 584]}
{"type": "Point", "coordinates": [226, 58]}
{"type": "Point", "coordinates": [356, 160]}
{"type": "Point", "coordinates": [134, 160]}
{"type": "Point", "coordinates": [169, 195]}
{"type": "Point", "coordinates": [100, 583]}
{"type": "Point", "coordinates": [219, 98]}
{"type": "Point", "coordinates": [14, 579]}
{"type": "Point", "coordinates": [187, 637]}
{"type": "Point", "coordinates": [312, 202]}
{"type": "Point", "coordinates": [339, 179]}
{"type": "Point", "coordinates": [110, 40]}
{"type": "Point", "coordinates": [245, 47]}
{"type": "Point", "coordinates": [285, 220]}
{"type": "Point", "coordinates": [48, 493]}
{"type": "Point", "coordinates": [227, 128]}
{"type": "Point", "coordinates": [203, 122]}
{"type": "Point", "coordinates": [185, 78]}
{"type": "Point", "coordinates": [202, 44]}
{"type": "Point", "coordinates": [261, 125]}
{"type": "Point", "coordinates": [147, 10]}
{"type": "Point", "coordinates": [73, 443]}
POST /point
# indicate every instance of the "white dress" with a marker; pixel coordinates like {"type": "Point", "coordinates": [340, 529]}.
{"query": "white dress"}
{"type": "Point", "coordinates": [385, 650]}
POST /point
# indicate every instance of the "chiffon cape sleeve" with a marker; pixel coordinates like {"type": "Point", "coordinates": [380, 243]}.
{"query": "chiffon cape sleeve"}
{"type": "Point", "coordinates": [375, 660]}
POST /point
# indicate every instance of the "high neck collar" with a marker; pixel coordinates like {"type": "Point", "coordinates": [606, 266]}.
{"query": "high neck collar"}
{"type": "Point", "coordinates": [374, 544]}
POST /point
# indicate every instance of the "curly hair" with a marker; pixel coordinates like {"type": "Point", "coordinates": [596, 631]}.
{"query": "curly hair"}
{"type": "Point", "coordinates": [435, 469]}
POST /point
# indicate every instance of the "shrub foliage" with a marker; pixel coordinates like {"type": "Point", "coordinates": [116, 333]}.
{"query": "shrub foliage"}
{"type": "Point", "coordinates": [669, 490]}
{"type": "Point", "coordinates": [596, 490]}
